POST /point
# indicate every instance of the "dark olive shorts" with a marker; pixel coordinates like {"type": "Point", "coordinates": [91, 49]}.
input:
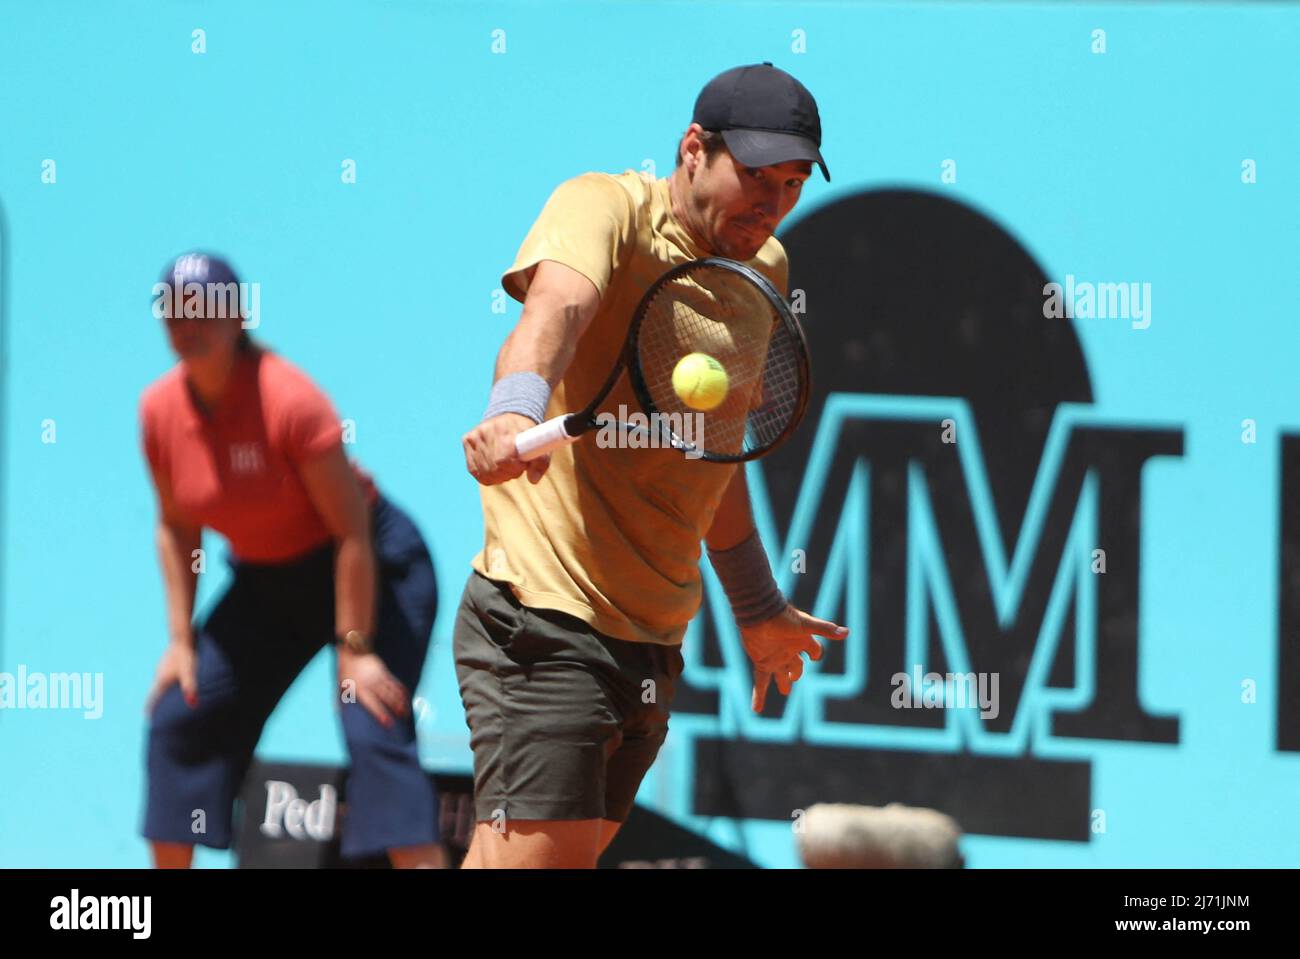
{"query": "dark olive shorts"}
{"type": "Point", "coordinates": [564, 721]}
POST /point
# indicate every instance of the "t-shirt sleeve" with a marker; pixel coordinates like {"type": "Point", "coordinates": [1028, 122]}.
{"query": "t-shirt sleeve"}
{"type": "Point", "coordinates": [308, 422]}
{"type": "Point", "coordinates": [149, 438]}
{"type": "Point", "coordinates": [588, 224]}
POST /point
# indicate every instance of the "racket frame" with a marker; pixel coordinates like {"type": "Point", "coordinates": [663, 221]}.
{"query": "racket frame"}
{"type": "Point", "coordinates": [568, 427]}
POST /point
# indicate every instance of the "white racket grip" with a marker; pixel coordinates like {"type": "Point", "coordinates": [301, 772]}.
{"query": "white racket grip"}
{"type": "Point", "coordinates": [541, 439]}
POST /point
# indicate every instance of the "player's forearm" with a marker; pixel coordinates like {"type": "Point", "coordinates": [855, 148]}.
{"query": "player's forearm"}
{"type": "Point", "coordinates": [739, 559]}
{"type": "Point", "coordinates": [733, 520]}
{"type": "Point", "coordinates": [176, 548]}
{"type": "Point", "coordinates": [544, 341]}
{"type": "Point", "coordinates": [354, 584]}
{"type": "Point", "coordinates": [557, 311]}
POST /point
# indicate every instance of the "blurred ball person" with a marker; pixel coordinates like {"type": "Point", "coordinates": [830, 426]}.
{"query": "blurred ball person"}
{"type": "Point", "coordinates": [240, 441]}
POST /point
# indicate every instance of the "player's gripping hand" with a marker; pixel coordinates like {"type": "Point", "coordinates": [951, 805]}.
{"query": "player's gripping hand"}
{"type": "Point", "coordinates": [775, 644]}
{"type": "Point", "coordinates": [490, 454]}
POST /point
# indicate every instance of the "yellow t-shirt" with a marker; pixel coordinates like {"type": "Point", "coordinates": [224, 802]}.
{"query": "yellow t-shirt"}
{"type": "Point", "coordinates": [611, 536]}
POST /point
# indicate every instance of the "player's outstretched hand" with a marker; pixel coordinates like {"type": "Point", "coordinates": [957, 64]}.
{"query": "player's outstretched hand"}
{"type": "Point", "coordinates": [775, 644]}
{"type": "Point", "coordinates": [490, 454]}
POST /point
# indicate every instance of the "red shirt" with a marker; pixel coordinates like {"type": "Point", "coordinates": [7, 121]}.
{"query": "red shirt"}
{"type": "Point", "coordinates": [234, 469]}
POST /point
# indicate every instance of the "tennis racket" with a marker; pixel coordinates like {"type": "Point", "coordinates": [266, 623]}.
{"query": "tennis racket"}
{"type": "Point", "coordinates": [730, 313]}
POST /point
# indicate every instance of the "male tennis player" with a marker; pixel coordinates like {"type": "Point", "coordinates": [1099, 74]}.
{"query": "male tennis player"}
{"type": "Point", "coordinates": [568, 635]}
{"type": "Point", "coordinates": [241, 441]}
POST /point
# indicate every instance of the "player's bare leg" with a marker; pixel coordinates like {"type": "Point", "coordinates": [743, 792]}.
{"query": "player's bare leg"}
{"type": "Point", "coordinates": [536, 844]}
{"type": "Point", "coordinates": [471, 860]}
{"type": "Point", "coordinates": [430, 856]}
{"type": "Point", "coordinates": [608, 829]}
{"type": "Point", "coordinates": [172, 855]}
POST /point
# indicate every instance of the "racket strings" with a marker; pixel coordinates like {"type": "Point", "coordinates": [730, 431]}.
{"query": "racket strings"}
{"type": "Point", "coordinates": [722, 315]}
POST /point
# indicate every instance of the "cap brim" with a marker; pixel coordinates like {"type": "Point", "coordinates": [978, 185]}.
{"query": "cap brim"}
{"type": "Point", "coordinates": [768, 147]}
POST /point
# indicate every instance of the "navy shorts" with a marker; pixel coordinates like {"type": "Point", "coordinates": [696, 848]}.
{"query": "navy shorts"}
{"type": "Point", "coordinates": [263, 631]}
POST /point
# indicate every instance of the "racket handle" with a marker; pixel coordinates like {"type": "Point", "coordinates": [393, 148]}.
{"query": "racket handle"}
{"type": "Point", "coordinates": [541, 439]}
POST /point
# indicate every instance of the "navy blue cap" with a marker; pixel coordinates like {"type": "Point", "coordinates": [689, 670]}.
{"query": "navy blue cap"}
{"type": "Point", "coordinates": [201, 268]}
{"type": "Point", "coordinates": [198, 268]}
{"type": "Point", "coordinates": [765, 116]}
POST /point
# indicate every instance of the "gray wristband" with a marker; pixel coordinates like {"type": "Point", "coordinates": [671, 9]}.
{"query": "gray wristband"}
{"type": "Point", "coordinates": [747, 579]}
{"type": "Point", "coordinates": [525, 393]}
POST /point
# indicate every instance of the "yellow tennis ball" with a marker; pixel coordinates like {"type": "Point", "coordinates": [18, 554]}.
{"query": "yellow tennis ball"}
{"type": "Point", "coordinates": [700, 381]}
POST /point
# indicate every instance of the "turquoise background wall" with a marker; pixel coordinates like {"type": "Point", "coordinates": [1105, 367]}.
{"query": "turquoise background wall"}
{"type": "Point", "coordinates": [1122, 165]}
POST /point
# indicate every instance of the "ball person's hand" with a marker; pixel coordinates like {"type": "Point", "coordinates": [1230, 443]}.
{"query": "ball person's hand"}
{"type": "Point", "coordinates": [179, 664]}
{"type": "Point", "coordinates": [379, 691]}
{"type": "Point", "coordinates": [490, 454]}
{"type": "Point", "coordinates": [774, 646]}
